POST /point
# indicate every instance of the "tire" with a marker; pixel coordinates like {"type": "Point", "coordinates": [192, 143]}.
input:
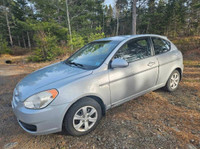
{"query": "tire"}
{"type": "Point", "coordinates": [82, 117]}
{"type": "Point", "coordinates": [173, 81]}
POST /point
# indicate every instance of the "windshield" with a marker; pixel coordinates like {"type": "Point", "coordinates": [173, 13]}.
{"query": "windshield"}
{"type": "Point", "coordinates": [92, 55]}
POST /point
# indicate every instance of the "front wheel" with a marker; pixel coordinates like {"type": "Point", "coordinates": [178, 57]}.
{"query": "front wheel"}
{"type": "Point", "coordinates": [173, 81]}
{"type": "Point", "coordinates": [82, 117]}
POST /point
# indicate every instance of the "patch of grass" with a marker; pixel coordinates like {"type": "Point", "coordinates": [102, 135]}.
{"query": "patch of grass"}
{"type": "Point", "coordinates": [190, 63]}
{"type": "Point", "coordinates": [192, 80]}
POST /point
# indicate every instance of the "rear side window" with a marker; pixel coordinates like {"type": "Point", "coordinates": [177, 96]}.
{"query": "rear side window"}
{"type": "Point", "coordinates": [160, 45]}
{"type": "Point", "coordinates": [134, 50]}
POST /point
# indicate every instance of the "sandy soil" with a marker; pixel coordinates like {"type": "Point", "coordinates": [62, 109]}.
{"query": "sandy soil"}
{"type": "Point", "coordinates": [156, 120]}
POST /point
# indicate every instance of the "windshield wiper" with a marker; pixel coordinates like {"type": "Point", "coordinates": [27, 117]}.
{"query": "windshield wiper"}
{"type": "Point", "coordinates": [76, 64]}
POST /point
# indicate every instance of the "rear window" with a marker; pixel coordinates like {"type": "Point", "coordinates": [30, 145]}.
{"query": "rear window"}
{"type": "Point", "coordinates": [160, 45]}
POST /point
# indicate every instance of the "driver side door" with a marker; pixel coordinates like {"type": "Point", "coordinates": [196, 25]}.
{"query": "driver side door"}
{"type": "Point", "coordinates": [139, 76]}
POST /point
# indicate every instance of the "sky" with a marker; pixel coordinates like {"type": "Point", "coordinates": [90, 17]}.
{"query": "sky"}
{"type": "Point", "coordinates": [108, 2]}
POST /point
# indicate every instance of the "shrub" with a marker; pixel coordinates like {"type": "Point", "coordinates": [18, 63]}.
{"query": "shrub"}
{"type": "Point", "coordinates": [16, 50]}
{"type": "Point", "coordinates": [48, 36]}
{"type": "Point", "coordinates": [77, 41]}
{"type": "Point", "coordinates": [97, 35]}
{"type": "Point", "coordinates": [4, 46]}
{"type": "Point", "coordinates": [47, 48]}
{"type": "Point", "coordinates": [51, 27]}
{"type": "Point", "coordinates": [187, 43]}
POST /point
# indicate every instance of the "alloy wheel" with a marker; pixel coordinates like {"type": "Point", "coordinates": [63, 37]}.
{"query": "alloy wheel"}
{"type": "Point", "coordinates": [85, 118]}
{"type": "Point", "coordinates": [174, 80]}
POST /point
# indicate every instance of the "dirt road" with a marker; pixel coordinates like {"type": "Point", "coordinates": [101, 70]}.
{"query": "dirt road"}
{"type": "Point", "coordinates": [156, 120]}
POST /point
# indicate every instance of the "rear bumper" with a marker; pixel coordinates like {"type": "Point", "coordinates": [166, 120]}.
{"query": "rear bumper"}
{"type": "Point", "coordinates": [39, 122]}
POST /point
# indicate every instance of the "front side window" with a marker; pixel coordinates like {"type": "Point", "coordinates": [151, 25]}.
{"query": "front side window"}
{"type": "Point", "coordinates": [160, 45]}
{"type": "Point", "coordinates": [92, 55]}
{"type": "Point", "coordinates": [134, 50]}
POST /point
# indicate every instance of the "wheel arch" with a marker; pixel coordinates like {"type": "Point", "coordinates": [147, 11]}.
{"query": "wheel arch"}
{"type": "Point", "coordinates": [96, 98]}
{"type": "Point", "coordinates": [180, 71]}
{"type": "Point", "coordinates": [101, 103]}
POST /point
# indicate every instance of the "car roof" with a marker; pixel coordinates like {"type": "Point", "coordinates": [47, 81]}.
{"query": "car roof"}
{"type": "Point", "coordinates": [123, 37]}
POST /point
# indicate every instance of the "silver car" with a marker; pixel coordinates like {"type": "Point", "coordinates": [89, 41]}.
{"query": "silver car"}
{"type": "Point", "coordinates": [74, 94]}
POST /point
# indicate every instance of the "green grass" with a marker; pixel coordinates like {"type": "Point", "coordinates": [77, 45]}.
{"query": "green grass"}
{"type": "Point", "coordinates": [191, 63]}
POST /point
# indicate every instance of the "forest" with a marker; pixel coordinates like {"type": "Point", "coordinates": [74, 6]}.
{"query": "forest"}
{"type": "Point", "coordinates": [50, 28]}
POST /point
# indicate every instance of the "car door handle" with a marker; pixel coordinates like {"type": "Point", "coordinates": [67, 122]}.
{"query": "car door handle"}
{"type": "Point", "coordinates": [150, 64]}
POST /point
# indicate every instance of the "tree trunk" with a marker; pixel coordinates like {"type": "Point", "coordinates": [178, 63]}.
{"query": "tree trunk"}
{"type": "Point", "coordinates": [148, 25]}
{"type": "Point", "coordinates": [8, 26]}
{"type": "Point", "coordinates": [151, 10]}
{"type": "Point", "coordinates": [58, 12]}
{"type": "Point", "coordinates": [117, 29]}
{"type": "Point", "coordinates": [29, 42]}
{"type": "Point", "coordinates": [24, 41]}
{"type": "Point", "coordinates": [103, 21]}
{"type": "Point", "coordinates": [69, 24]}
{"type": "Point", "coordinates": [134, 17]}
{"type": "Point", "coordinates": [117, 13]}
{"type": "Point", "coordinates": [19, 44]}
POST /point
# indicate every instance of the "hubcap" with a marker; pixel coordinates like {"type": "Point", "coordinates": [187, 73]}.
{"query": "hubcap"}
{"type": "Point", "coordinates": [85, 118]}
{"type": "Point", "coordinates": [174, 80]}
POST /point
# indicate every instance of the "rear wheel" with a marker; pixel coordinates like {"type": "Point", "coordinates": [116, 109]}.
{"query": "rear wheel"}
{"type": "Point", "coordinates": [82, 117]}
{"type": "Point", "coordinates": [173, 81]}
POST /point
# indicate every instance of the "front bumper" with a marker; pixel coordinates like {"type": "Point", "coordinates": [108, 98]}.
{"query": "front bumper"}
{"type": "Point", "coordinates": [42, 121]}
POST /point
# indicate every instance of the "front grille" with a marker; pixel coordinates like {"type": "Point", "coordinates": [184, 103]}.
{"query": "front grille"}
{"type": "Point", "coordinates": [28, 126]}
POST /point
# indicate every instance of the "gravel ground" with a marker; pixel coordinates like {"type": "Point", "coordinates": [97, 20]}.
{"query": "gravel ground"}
{"type": "Point", "coordinates": [156, 120]}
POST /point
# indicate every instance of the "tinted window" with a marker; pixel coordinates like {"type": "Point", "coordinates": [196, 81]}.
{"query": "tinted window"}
{"type": "Point", "coordinates": [160, 45]}
{"type": "Point", "coordinates": [134, 50]}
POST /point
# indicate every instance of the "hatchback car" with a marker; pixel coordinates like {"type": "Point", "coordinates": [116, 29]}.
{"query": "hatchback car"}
{"type": "Point", "coordinates": [74, 94]}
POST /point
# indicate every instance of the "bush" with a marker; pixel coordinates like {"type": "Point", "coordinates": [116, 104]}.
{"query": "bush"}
{"type": "Point", "coordinates": [48, 36]}
{"type": "Point", "coordinates": [51, 27]}
{"type": "Point", "coordinates": [47, 48]}
{"type": "Point", "coordinates": [77, 41]}
{"type": "Point", "coordinates": [97, 35]}
{"type": "Point", "coordinates": [16, 50]}
{"type": "Point", "coordinates": [4, 46]}
{"type": "Point", "coordinates": [187, 43]}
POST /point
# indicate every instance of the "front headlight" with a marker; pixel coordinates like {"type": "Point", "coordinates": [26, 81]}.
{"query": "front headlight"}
{"type": "Point", "coordinates": [40, 100]}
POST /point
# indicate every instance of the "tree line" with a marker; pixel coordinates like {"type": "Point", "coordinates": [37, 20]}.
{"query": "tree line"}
{"type": "Point", "coordinates": [50, 28]}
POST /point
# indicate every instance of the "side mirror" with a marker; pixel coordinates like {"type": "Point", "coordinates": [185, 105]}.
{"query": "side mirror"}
{"type": "Point", "coordinates": [119, 63]}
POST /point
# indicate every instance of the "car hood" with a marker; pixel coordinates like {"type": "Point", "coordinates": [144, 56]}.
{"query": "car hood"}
{"type": "Point", "coordinates": [36, 81]}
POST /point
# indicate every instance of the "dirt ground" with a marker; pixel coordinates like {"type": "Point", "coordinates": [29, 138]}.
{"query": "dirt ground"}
{"type": "Point", "coordinates": [156, 120]}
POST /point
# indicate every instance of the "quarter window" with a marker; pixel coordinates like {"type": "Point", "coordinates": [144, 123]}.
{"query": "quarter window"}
{"type": "Point", "coordinates": [160, 45]}
{"type": "Point", "coordinates": [134, 50]}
